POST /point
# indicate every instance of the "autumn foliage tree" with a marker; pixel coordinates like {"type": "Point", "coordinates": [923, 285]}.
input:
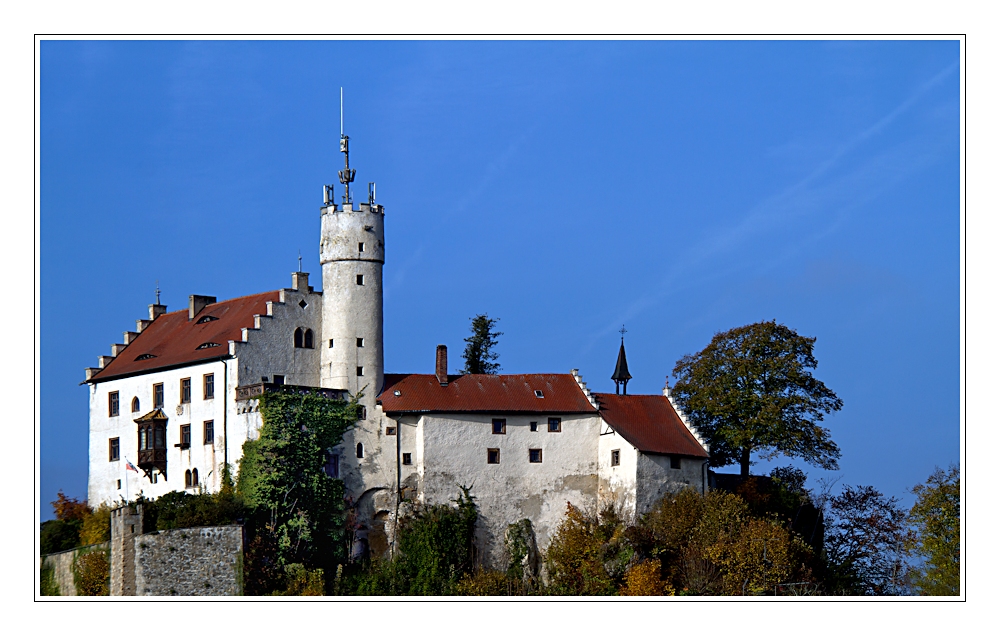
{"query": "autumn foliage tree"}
{"type": "Point", "coordinates": [751, 390]}
{"type": "Point", "coordinates": [937, 542]}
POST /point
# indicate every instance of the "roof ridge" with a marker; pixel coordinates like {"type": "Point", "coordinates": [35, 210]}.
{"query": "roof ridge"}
{"type": "Point", "coordinates": [220, 302]}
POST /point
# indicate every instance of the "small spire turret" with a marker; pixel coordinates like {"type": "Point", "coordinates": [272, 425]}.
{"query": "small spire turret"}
{"type": "Point", "coordinates": [621, 375]}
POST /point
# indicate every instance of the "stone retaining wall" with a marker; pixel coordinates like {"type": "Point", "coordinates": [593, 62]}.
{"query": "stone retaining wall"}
{"type": "Point", "coordinates": [190, 562]}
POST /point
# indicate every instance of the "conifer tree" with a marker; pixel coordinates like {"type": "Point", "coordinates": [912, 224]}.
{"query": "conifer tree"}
{"type": "Point", "coordinates": [479, 354]}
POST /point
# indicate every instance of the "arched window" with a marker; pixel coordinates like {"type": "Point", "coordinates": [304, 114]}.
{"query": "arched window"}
{"type": "Point", "coordinates": [361, 450]}
{"type": "Point", "coordinates": [298, 338]}
{"type": "Point", "coordinates": [194, 477]}
{"type": "Point", "coordinates": [135, 405]}
{"type": "Point", "coordinates": [187, 478]}
{"type": "Point", "coordinates": [308, 342]}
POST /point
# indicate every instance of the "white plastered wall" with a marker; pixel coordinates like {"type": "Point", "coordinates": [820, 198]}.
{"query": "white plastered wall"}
{"type": "Point", "coordinates": [453, 453]}
{"type": "Point", "coordinates": [617, 483]}
{"type": "Point", "coordinates": [207, 458]}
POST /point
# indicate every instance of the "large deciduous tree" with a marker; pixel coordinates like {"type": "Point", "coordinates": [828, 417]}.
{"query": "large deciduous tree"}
{"type": "Point", "coordinates": [479, 354]}
{"type": "Point", "coordinates": [936, 516]}
{"type": "Point", "coordinates": [751, 391]}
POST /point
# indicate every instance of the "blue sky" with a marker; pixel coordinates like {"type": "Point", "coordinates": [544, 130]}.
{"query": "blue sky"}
{"type": "Point", "coordinates": [680, 188]}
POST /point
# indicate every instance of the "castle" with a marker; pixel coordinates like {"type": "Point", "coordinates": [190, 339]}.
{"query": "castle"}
{"type": "Point", "coordinates": [175, 401]}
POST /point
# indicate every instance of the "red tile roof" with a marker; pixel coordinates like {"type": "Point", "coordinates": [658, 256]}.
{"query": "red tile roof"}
{"type": "Point", "coordinates": [173, 340]}
{"type": "Point", "coordinates": [480, 393]}
{"type": "Point", "coordinates": [650, 423]}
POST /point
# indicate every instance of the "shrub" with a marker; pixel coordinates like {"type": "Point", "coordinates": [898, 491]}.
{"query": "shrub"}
{"type": "Point", "coordinates": [643, 579]}
{"type": "Point", "coordinates": [92, 573]}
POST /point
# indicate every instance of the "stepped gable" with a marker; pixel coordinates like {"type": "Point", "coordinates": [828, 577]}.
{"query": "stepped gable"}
{"type": "Point", "coordinates": [174, 340]}
{"type": "Point", "coordinates": [481, 393]}
{"type": "Point", "coordinates": [650, 423]}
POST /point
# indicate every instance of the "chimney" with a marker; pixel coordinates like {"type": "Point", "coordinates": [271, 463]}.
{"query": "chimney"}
{"type": "Point", "coordinates": [300, 281]}
{"type": "Point", "coordinates": [156, 310]}
{"type": "Point", "coordinates": [196, 303]}
{"type": "Point", "coordinates": [441, 366]}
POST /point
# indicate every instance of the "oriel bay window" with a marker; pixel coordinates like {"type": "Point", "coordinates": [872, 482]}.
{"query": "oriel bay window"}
{"type": "Point", "coordinates": [152, 434]}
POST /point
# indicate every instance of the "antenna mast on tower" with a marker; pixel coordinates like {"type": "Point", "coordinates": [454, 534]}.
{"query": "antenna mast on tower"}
{"type": "Point", "coordinates": [347, 174]}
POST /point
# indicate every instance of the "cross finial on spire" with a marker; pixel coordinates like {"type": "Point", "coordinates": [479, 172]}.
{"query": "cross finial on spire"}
{"type": "Point", "coordinates": [157, 292]}
{"type": "Point", "coordinates": [622, 331]}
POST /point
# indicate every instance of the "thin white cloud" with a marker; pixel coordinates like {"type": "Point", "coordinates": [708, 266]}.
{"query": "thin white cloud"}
{"type": "Point", "coordinates": [808, 194]}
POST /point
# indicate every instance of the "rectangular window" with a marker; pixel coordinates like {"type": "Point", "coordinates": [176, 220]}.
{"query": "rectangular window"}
{"type": "Point", "coordinates": [361, 247]}
{"type": "Point", "coordinates": [330, 346]}
{"type": "Point", "coordinates": [185, 436]}
{"type": "Point", "coordinates": [675, 462]}
{"type": "Point", "coordinates": [208, 386]}
{"type": "Point", "coordinates": [279, 379]}
{"type": "Point", "coordinates": [535, 455]}
{"type": "Point", "coordinates": [158, 396]}
{"type": "Point", "coordinates": [407, 459]}
{"type": "Point", "coordinates": [499, 427]}
{"type": "Point", "coordinates": [119, 484]}
{"type": "Point", "coordinates": [332, 465]}
{"type": "Point", "coordinates": [113, 449]}
{"type": "Point", "coordinates": [113, 404]}
{"type": "Point", "coordinates": [616, 457]}
{"type": "Point", "coordinates": [555, 425]}
{"type": "Point", "coordinates": [361, 342]}
{"type": "Point", "coordinates": [362, 412]}
{"type": "Point", "coordinates": [361, 371]}
{"type": "Point", "coordinates": [361, 279]}
{"type": "Point", "coordinates": [533, 426]}
{"type": "Point", "coordinates": [492, 455]}
{"type": "Point", "coordinates": [390, 430]}
{"type": "Point", "coordinates": [210, 432]}
{"type": "Point", "coordinates": [185, 390]}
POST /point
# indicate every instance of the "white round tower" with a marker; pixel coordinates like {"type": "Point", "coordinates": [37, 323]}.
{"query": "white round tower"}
{"type": "Point", "coordinates": [352, 252]}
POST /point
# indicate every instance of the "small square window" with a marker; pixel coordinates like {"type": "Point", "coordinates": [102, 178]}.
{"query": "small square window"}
{"type": "Point", "coordinates": [185, 436]}
{"type": "Point", "coordinates": [539, 394]}
{"type": "Point", "coordinates": [279, 379]}
{"type": "Point", "coordinates": [361, 342]}
{"type": "Point", "coordinates": [555, 425]}
{"type": "Point", "coordinates": [407, 459]}
{"type": "Point", "coordinates": [208, 386]}
{"type": "Point", "coordinates": [158, 396]}
{"type": "Point", "coordinates": [361, 279]}
{"type": "Point", "coordinates": [185, 390]}
{"type": "Point", "coordinates": [533, 426]}
{"type": "Point", "coordinates": [675, 462]}
{"type": "Point", "coordinates": [499, 427]}
{"type": "Point", "coordinates": [361, 371]}
{"type": "Point", "coordinates": [492, 455]}
{"type": "Point", "coordinates": [361, 247]}
{"type": "Point", "coordinates": [616, 457]}
{"type": "Point", "coordinates": [210, 432]}
{"type": "Point", "coordinates": [535, 455]}
{"type": "Point", "coordinates": [113, 449]}
{"type": "Point", "coordinates": [390, 430]}
{"type": "Point", "coordinates": [113, 404]}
